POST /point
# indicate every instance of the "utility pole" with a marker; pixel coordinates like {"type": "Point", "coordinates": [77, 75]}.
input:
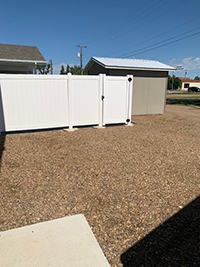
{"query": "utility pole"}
{"type": "Point", "coordinates": [185, 73]}
{"type": "Point", "coordinates": [81, 56]}
{"type": "Point", "coordinates": [51, 66]}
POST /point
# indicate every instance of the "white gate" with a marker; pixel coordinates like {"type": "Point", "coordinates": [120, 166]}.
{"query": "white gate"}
{"type": "Point", "coordinates": [117, 95]}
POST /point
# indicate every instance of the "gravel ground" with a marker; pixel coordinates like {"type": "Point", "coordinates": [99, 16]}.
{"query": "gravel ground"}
{"type": "Point", "coordinates": [127, 181]}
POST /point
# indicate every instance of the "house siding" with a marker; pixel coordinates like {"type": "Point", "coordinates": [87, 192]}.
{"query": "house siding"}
{"type": "Point", "coordinates": [195, 84]}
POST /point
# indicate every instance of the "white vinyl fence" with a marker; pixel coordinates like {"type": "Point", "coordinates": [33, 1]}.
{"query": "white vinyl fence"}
{"type": "Point", "coordinates": [30, 102]}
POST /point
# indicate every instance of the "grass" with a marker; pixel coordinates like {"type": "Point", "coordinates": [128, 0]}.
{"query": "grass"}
{"type": "Point", "coordinates": [184, 92]}
{"type": "Point", "coordinates": [184, 101]}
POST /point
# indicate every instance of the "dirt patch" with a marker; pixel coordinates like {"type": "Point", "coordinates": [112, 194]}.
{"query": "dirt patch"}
{"type": "Point", "coordinates": [127, 181]}
{"type": "Point", "coordinates": [190, 114]}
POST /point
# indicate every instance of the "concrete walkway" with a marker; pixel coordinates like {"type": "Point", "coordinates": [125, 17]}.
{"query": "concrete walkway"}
{"type": "Point", "coordinates": [62, 242]}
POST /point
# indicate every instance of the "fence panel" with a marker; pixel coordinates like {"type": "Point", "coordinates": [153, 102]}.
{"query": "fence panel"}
{"type": "Point", "coordinates": [34, 102]}
{"type": "Point", "coordinates": [85, 100]}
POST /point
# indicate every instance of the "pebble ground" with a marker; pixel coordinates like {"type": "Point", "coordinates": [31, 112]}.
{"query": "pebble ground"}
{"type": "Point", "coordinates": [127, 181]}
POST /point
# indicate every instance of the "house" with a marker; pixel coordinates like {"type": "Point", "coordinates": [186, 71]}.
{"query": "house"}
{"type": "Point", "coordinates": [187, 82]}
{"type": "Point", "coordinates": [149, 80]}
{"type": "Point", "coordinates": [20, 59]}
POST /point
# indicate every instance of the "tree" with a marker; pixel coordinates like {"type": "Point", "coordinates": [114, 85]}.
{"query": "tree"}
{"type": "Point", "coordinates": [62, 71]}
{"type": "Point", "coordinates": [75, 69]}
{"type": "Point", "coordinates": [175, 81]}
{"type": "Point", "coordinates": [196, 78]}
{"type": "Point", "coordinates": [67, 69]}
{"type": "Point", "coordinates": [44, 69]}
{"type": "Point", "coordinates": [169, 84]}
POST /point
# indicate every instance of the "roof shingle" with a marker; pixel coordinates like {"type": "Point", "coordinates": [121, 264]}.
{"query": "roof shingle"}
{"type": "Point", "coordinates": [20, 52]}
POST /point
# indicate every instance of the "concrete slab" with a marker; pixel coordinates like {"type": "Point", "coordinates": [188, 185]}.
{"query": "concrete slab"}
{"type": "Point", "coordinates": [62, 242]}
{"type": "Point", "coordinates": [70, 130]}
{"type": "Point", "coordinates": [99, 127]}
{"type": "Point", "coordinates": [129, 125]}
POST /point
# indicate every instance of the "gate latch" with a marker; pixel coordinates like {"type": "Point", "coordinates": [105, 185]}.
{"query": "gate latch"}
{"type": "Point", "coordinates": [129, 79]}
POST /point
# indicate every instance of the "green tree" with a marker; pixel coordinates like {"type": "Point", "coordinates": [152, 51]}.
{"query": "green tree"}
{"type": "Point", "coordinates": [169, 84]}
{"type": "Point", "coordinates": [175, 81]}
{"type": "Point", "coordinates": [196, 78]}
{"type": "Point", "coordinates": [62, 71]}
{"type": "Point", "coordinates": [67, 69]}
{"type": "Point", "coordinates": [45, 69]}
{"type": "Point", "coordinates": [75, 70]}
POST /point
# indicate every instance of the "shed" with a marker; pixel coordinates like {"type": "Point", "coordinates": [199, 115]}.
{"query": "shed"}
{"type": "Point", "coordinates": [20, 59]}
{"type": "Point", "coordinates": [149, 80]}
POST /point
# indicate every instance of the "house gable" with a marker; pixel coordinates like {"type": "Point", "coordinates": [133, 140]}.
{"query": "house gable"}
{"type": "Point", "coordinates": [19, 58]}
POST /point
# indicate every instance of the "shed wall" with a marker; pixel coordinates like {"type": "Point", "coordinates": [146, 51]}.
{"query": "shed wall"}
{"type": "Point", "coordinates": [149, 95]}
{"type": "Point", "coordinates": [96, 69]}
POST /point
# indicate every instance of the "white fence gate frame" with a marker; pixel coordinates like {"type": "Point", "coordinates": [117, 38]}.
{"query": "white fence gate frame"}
{"type": "Point", "coordinates": [118, 95]}
{"type": "Point", "coordinates": [31, 102]}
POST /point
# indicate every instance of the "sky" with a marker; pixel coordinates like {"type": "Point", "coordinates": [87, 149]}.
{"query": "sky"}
{"type": "Point", "coordinates": [163, 30]}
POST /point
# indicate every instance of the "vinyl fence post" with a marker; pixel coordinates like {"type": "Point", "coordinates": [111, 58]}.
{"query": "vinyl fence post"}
{"type": "Point", "coordinates": [130, 90]}
{"type": "Point", "coordinates": [100, 100]}
{"type": "Point", "coordinates": [103, 97]}
{"type": "Point", "coordinates": [69, 80]}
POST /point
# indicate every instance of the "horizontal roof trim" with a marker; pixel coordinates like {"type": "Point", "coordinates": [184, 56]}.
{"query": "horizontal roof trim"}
{"type": "Point", "coordinates": [134, 68]}
{"type": "Point", "coordinates": [21, 61]}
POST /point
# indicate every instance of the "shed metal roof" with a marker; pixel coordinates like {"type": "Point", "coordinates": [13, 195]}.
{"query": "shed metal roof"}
{"type": "Point", "coordinates": [134, 64]}
{"type": "Point", "coordinates": [20, 53]}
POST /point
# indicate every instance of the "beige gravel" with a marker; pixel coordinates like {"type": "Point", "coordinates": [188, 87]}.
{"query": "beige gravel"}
{"type": "Point", "coordinates": [125, 180]}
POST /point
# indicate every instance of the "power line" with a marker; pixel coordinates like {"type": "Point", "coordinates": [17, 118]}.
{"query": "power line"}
{"type": "Point", "coordinates": [155, 18]}
{"type": "Point", "coordinates": [70, 52]}
{"type": "Point", "coordinates": [144, 24]}
{"type": "Point", "coordinates": [130, 22]}
{"type": "Point", "coordinates": [147, 47]}
{"type": "Point", "coordinates": [163, 33]}
{"type": "Point", "coordinates": [164, 44]}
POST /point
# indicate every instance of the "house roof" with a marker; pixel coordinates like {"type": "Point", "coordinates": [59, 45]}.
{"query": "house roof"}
{"type": "Point", "coordinates": [188, 80]}
{"type": "Point", "coordinates": [20, 53]}
{"type": "Point", "coordinates": [133, 64]}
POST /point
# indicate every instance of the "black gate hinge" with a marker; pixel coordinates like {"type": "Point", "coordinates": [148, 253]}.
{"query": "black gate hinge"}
{"type": "Point", "coordinates": [129, 79]}
{"type": "Point", "coordinates": [102, 97]}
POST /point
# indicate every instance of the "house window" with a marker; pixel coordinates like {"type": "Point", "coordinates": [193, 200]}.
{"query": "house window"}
{"type": "Point", "coordinates": [186, 85]}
